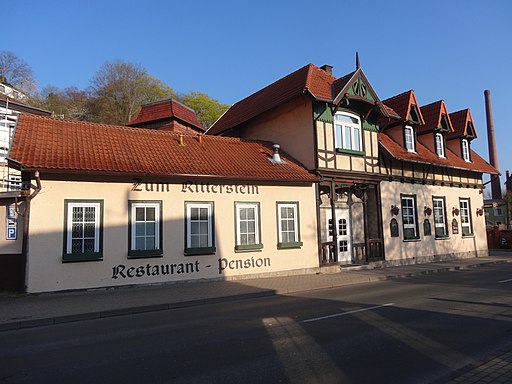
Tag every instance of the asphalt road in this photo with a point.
(413, 330)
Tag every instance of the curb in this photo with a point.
(22, 324)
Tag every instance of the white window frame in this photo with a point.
(95, 254)
(497, 212)
(465, 216)
(439, 142)
(409, 211)
(410, 145)
(465, 150)
(439, 208)
(14, 182)
(157, 250)
(295, 241)
(241, 242)
(209, 247)
(345, 131)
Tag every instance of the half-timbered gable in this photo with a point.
(378, 162)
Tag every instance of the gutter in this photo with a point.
(26, 220)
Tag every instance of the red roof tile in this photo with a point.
(56, 146)
(320, 84)
(432, 114)
(460, 120)
(425, 156)
(166, 109)
(310, 79)
(402, 103)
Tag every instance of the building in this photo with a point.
(10, 91)
(167, 115)
(398, 183)
(10, 109)
(112, 206)
(311, 173)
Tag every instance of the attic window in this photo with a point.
(409, 139)
(470, 130)
(414, 116)
(465, 150)
(440, 145)
(445, 126)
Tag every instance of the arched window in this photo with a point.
(348, 131)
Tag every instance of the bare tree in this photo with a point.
(120, 88)
(70, 103)
(16, 72)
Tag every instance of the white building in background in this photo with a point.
(10, 109)
(8, 90)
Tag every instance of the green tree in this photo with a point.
(120, 88)
(208, 110)
(17, 72)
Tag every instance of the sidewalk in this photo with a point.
(26, 311)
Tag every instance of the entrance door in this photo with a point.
(343, 232)
(342, 227)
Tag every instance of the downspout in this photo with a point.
(26, 219)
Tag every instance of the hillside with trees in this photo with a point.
(114, 95)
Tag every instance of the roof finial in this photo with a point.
(357, 60)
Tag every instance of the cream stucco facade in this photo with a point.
(47, 271)
(428, 248)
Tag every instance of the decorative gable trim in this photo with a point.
(359, 88)
(323, 112)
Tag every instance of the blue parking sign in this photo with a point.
(11, 233)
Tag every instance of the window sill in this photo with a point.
(248, 247)
(145, 254)
(468, 236)
(77, 257)
(350, 151)
(442, 237)
(296, 244)
(200, 251)
(411, 240)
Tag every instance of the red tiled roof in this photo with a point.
(59, 146)
(340, 83)
(425, 156)
(308, 78)
(401, 104)
(166, 109)
(432, 114)
(460, 121)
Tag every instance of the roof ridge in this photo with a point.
(149, 130)
(397, 96)
(274, 82)
(441, 101)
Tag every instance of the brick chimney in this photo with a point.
(327, 68)
(491, 142)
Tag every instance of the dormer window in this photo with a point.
(348, 132)
(414, 115)
(465, 150)
(440, 145)
(409, 139)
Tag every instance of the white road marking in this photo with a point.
(303, 360)
(347, 313)
(505, 281)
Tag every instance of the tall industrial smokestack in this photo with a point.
(491, 141)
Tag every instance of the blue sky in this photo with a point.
(451, 50)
